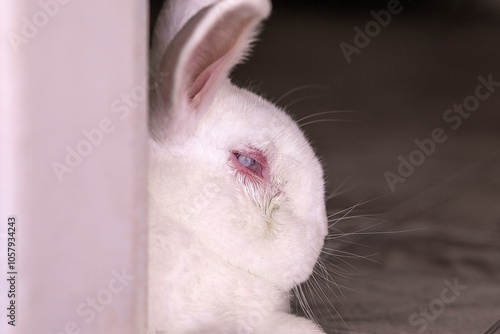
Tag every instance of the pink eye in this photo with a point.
(249, 163)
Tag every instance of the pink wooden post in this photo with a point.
(73, 161)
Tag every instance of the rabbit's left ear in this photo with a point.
(199, 59)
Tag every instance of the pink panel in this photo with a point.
(73, 165)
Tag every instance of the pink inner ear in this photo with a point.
(223, 43)
(200, 85)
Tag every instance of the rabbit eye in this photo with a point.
(249, 163)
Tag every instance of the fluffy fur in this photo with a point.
(226, 245)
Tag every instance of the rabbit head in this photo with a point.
(226, 165)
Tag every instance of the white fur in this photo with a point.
(225, 252)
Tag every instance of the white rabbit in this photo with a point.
(237, 213)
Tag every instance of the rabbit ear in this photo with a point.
(199, 59)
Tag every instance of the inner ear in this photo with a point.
(200, 81)
(216, 54)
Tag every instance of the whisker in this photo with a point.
(347, 211)
(344, 241)
(342, 273)
(323, 113)
(336, 266)
(323, 296)
(338, 253)
(345, 234)
(337, 270)
(347, 263)
(300, 99)
(360, 203)
(335, 221)
(363, 217)
(386, 232)
(316, 288)
(304, 304)
(325, 120)
(293, 90)
(337, 192)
